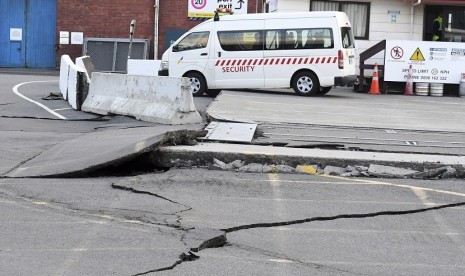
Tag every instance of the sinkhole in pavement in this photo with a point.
(142, 164)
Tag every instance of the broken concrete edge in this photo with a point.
(169, 138)
(197, 239)
(263, 163)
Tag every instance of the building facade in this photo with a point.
(377, 20)
(43, 30)
(35, 33)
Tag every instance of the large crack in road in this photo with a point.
(221, 240)
(343, 216)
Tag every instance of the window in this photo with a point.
(358, 13)
(241, 40)
(347, 38)
(273, 40)
(192, 41)
(296, 39)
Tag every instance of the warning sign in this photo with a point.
(418, 55)
(433, 62)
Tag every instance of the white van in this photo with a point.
(307, 51)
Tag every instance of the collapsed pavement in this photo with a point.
(374, 170)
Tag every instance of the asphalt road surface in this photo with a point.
(276, 224)
(206, 222)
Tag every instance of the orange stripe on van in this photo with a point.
(275, 61)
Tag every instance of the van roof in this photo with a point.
(279, 15)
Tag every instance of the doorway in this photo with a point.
(27, 33)
(453, 27)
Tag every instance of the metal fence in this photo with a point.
(111, 54)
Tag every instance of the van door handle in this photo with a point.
(203, 54)
(219, 54)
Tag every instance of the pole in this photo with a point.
(131, 34)
(155, 29)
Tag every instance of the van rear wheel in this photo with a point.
(306, 84)
(198, 83)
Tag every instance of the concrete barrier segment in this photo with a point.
(65, 62)
(164, 100)
(85, 62)
(75, 79)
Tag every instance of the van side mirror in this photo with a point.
(175, 48)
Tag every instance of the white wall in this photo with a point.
(293, 5)
(381, 26)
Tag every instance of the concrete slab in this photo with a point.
(342, 107)
(233, 132)
(203, 153)
(95, 150)
(349, 121)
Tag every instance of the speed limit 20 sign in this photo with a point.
(207, 8)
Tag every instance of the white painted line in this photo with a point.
(371, 182)
(58, 109)
(280, 261)
(15, 90)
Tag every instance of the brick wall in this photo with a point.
(111, 19)
(103, 19)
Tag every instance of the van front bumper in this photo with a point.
(163, 72)
(346, 80)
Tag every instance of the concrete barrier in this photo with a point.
(85, 62)
(164, 100)
(64, 71)
(76, 77)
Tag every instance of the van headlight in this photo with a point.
(164, 65)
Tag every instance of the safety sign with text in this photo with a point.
(207, 8)
(435, 62)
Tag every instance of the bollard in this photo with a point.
(462, 86)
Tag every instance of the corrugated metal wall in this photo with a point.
(37, 20)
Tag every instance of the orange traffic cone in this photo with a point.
(374, 89)
(409, 85)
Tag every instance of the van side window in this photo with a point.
(273, 40)
(241, 40)
(296, 39)
(192, 41)
(317, 39)
(292, 39)
(347, 37)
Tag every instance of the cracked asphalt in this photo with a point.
(201, 222)
(194, 221)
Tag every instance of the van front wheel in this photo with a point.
(305, 84)
(198, 83)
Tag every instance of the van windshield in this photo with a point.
(193, 41)
(347, 38)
